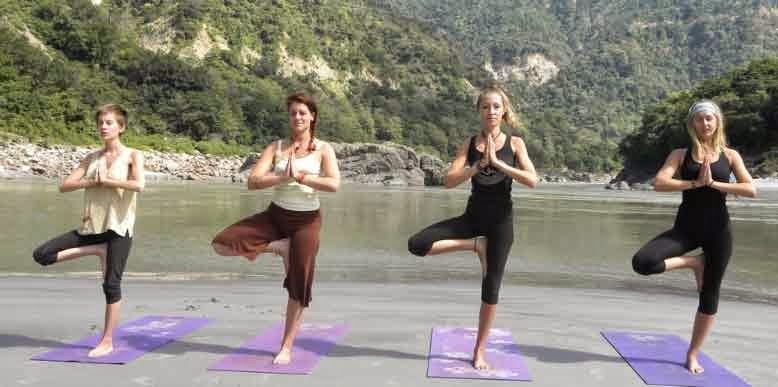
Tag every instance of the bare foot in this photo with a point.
(693, 365)
(284, 356)
(281, 248)
(103, 348)
(699, 271)
(480, 250)
(479, 361)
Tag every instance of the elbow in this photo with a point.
(660, 185)
(141, 187)
(752, 192)
(251, 184)
(532, 182)
(448, 182)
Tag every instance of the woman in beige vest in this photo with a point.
(111, 178)
(296, 168)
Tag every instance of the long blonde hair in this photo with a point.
(719, 136)
(509, 117)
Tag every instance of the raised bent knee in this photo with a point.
(418, 246)
(642, 264)
(221, 249)
(43, 257)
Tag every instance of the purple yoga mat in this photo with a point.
(660, 360)
(451, 354)
(312, 342)
(130, 340)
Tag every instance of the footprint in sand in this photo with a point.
(144, 381)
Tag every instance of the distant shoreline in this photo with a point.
(370, 164)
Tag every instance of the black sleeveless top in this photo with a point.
(490, 181)
(704, 207)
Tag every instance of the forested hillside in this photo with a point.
(211, 75)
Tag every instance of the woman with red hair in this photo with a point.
(296, 168)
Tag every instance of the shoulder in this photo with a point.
(677, 153)
(464, 147)
(274, 145)
(91, 156)
(135, 152)
(324, 146)
(732, 155)
(470, 140)
(517, 143)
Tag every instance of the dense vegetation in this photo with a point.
(211, 75)
(615, 57)
(227, 100)
(749, 99)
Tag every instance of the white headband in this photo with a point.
(704, 106)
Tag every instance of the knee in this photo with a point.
(641, 264)
(490, 288)
(418, 246)
(708, 309)
(221, 249)
(709, 302)
(112, 291)
(44, 257)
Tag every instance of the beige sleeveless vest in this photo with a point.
(109, 208)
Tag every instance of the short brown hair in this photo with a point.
(116, 109)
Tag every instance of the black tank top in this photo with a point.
(490, 181)
(704, 208)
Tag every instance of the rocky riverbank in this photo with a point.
(387, 164)
(363, 163)
(635, 179)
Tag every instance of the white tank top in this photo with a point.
(292, 195)
(109, 208)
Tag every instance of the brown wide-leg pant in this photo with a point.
(249, 236)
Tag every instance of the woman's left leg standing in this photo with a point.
(499, 239)
(117, 252)
(303, 247)
(718, 251)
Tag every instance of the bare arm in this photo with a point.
(137, 179)
(329, 180)
(75, 180)
(459, 171)
(525, 173)
(745, 185)
(260, 178)
(665, 180)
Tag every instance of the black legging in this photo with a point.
(717, 248)
(117, 251)
(494, 220)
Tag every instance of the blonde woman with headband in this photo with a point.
(492, 160)
(702, 172)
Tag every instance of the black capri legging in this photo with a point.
(717, 248)
(492, 220)
(117, 251)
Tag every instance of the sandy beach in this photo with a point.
(557, 330)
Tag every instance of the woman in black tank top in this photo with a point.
(702, 220)
(492, 160)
